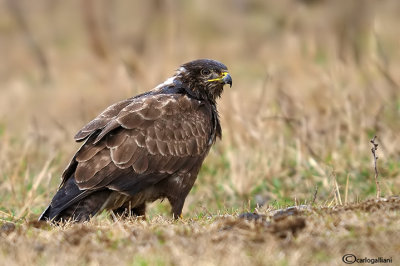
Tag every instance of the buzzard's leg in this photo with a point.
(179, 194)
(177, 206)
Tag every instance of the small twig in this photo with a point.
(337, 191)
(315, 195)
(206, 211)
(373, 150)
(346, 193)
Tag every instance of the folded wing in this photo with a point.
(145, 141)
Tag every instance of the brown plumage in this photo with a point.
(144, 148)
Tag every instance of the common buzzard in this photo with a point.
(145, 148)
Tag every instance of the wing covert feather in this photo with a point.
(101, 120)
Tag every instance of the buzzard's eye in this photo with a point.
(205, 72)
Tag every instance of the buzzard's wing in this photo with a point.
(149, 138)
(130, 146)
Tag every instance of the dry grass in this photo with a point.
(315, 236)
(313, 83)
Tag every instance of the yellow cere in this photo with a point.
(220, 78)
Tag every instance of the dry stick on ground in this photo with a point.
(315, 195)
(373, 150)
(336, 191)
(346, 193)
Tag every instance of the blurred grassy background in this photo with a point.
(313, 82)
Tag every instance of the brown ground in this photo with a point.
(295, 236)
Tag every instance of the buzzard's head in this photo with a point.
(204, 78)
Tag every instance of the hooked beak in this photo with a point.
(227, 79)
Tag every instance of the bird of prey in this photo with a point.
(145, 148)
